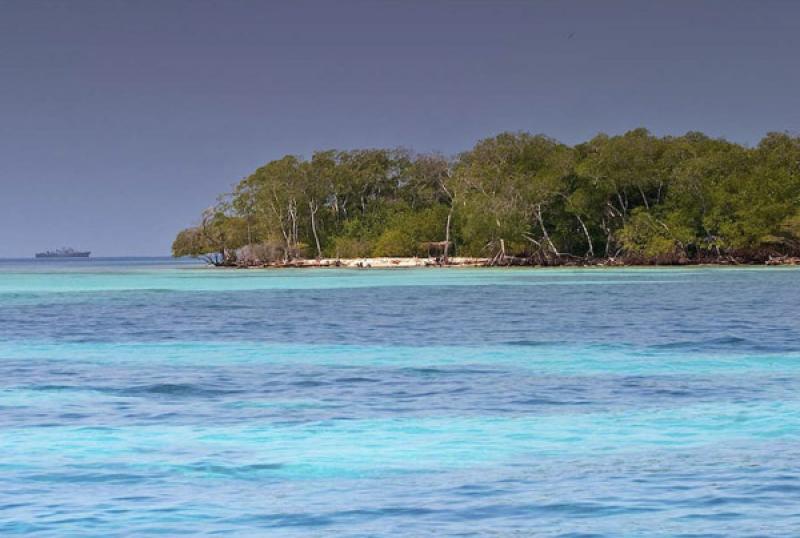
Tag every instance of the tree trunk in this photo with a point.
(447, 235)
(544, 230)
(644, 198)
(281, 221)
(623, 205)
(249, 231)
(588, 237)
(292, 241)
(314, 208)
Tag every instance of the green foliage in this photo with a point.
(788, 233)
(189, 242)
(647, 236)
(351, 247)
(409, 231)
(395, 242)
(215, 239)
(647, 198)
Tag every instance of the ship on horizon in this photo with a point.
(64, 253)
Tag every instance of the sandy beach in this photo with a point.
(379, 262)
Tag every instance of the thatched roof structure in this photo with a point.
(436, 246)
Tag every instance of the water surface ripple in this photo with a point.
(142, 397)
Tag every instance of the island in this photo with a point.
(514, 199)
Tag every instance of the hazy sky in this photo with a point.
(121, 120)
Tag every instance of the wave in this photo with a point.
(533, 343)
(722, 343)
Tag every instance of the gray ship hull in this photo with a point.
(59, 255)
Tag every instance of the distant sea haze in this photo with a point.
(144, 396)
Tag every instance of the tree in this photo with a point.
(516, 195)
(215, 239)
(431, 184)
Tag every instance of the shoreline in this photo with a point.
(455, 262)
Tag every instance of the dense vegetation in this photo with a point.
(514, 197)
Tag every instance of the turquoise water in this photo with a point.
(146, 397)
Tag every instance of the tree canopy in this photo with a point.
(636, 196)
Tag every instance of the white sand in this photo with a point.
(381, 263)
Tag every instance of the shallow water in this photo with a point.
(151, 397)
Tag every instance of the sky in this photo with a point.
(120, 121)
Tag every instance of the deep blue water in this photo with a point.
(146, 397)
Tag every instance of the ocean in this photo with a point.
(151, 396)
